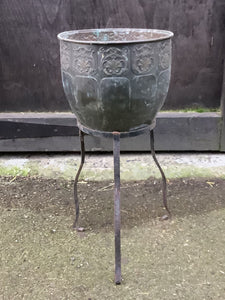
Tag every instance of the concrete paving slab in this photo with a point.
(100, 166)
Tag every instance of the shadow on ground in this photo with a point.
(141, 201)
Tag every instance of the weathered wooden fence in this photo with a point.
(30, 72)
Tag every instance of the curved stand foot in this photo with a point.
(164, 183)
(116, 156)
(76, 200)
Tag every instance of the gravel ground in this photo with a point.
(41, 257)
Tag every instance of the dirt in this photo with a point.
(43, 258)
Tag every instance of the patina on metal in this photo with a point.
(116, 80)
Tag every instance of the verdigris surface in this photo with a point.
(116, 79)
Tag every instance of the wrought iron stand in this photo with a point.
(117, 219)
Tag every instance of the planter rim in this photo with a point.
(151, 35)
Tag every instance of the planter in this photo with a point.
(115, 79)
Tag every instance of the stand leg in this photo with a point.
(116, 155)
(164, 183)
(76, 200)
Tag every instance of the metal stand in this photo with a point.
(116, 156)
(76, 200)
(117, 218)
(164, 183)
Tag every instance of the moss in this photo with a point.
(182, 171)
(194, 109)
(14, 171)
(130, 170)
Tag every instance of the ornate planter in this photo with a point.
(115, 79)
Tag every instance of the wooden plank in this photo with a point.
(29, 50)
(174, 132)
(188, 132)
(222, 141)
(31, 125)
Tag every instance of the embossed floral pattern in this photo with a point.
(114, 61)
(114, 66)
(142, 59)
(83, 61)
(65, 56)
(116, 80)
(164, 54)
